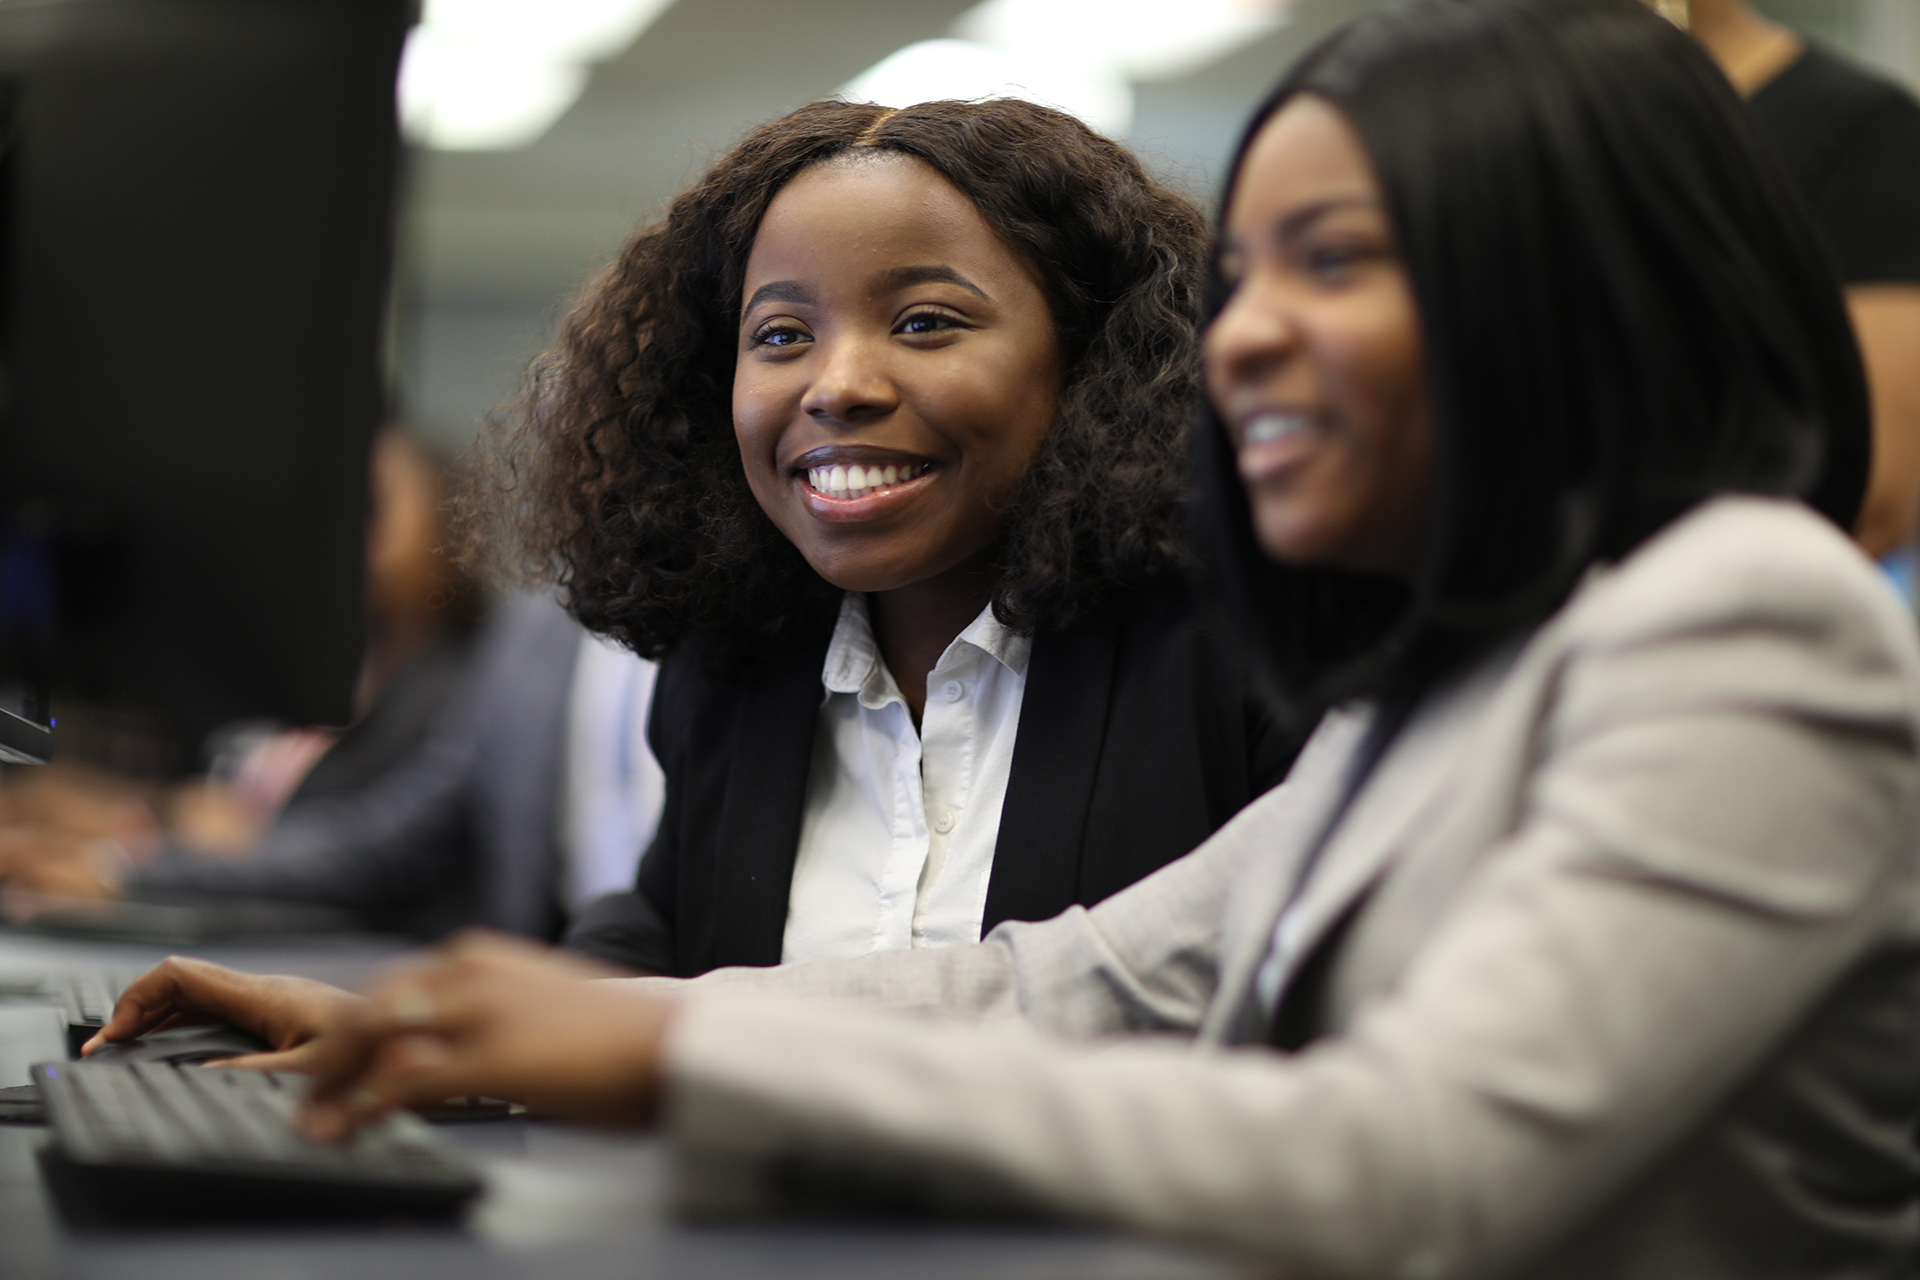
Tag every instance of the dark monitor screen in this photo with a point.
(196, 210)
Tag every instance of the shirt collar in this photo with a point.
(853, 662)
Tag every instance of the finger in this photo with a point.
(344, 1052)
(409, 1070)
(167, 994)
(478, 947)
(373, 1057)
(265, 1060)
(164, 1024)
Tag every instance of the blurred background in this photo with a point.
(512, 199)
(274, 685)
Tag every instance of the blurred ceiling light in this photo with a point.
(935, 69)
(492, 75)
(1080, 55)
(1145, 39)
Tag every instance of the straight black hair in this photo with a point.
(1624, 308)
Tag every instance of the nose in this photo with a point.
(1252, 337)
(851, 385)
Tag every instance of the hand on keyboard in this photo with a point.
(494, 1016)
(288, 1013)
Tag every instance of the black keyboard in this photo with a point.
(85, 996)
(167, 1141)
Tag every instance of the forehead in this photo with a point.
(851, 217)
(1305, 152)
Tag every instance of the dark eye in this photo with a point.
(926, 322)
(779, 334)
(1332, 261)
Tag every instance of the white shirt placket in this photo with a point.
(947, 734)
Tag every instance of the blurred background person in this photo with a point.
(446, 801)
(533, 793)
(1851, 140)
(422, 613)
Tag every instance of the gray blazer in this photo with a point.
(1622, 976)
(463, 830)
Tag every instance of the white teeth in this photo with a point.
(1272, 426)
(858, 481)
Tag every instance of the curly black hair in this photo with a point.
(618, 474)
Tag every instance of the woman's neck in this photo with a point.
(914, 624)
(1750, 49)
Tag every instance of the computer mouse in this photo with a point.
(181, 1046)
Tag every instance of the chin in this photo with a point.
(1282, 540)
(851, 575)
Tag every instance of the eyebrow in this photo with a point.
(906, 277)
(1293, 223)
(778, 291)
(886, 282)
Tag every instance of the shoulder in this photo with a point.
(1821, 90)
(1165, 633)
(1168, 612)
(1748, 567)
(528, 626)
(694, 687)
(1851, 140)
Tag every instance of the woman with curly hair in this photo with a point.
(876, 440)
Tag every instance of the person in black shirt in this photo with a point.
(1851, 141)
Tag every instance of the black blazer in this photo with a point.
(1139, 736)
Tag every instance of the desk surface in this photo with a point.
(561, 1202)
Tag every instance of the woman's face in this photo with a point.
(897, 370)
(1315, 363)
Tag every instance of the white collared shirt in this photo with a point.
(897, 839)
(612, 789)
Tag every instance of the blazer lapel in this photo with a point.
(1412, 781)
(1056, 756)
(758, 835)
(1299, 810)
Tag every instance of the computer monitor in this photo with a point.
(196, 211)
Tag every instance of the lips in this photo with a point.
(1272, 441)
(844, 483)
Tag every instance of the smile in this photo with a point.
(844, 485)
(1273, 442)
(854, 482)
(1274, 424)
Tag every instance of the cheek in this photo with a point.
(1380, 377)
(1027, 407)
(755, 421)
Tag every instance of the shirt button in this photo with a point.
(954, 690)
(944, 822)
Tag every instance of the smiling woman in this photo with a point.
(1315, 361)
(891, 402)
(897, 375)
